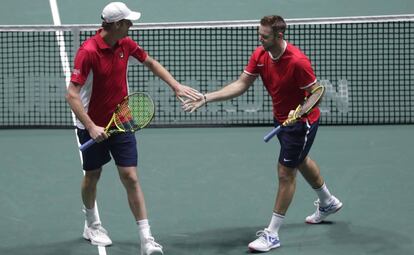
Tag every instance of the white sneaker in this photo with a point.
(150, 247)
(322, 212)
(96, 234)
(265, 242)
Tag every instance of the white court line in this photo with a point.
(66, 70)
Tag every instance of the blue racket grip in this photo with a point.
(86, 145)
(272, 133)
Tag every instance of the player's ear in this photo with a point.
(279, 35)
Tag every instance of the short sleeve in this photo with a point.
(304, 73)
(82, 67)
(136, 51)
(252, 67)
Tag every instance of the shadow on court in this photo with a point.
(217, 241)
(349, 238)
(298, 238)
(69, 247)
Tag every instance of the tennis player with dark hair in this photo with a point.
(98, 84)
(287, 74)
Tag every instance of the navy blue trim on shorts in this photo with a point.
(296, 142)
(122, 147)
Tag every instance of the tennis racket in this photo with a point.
(301, 110)
(134, 112)
(277, 129)
(272, 133)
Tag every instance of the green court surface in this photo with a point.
(209, 190)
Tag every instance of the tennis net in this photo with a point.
(366, 64)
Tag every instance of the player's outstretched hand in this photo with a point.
(192, 105)
(185, 92)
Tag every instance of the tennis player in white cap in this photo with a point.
(98, 84)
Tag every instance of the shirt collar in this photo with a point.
(281, 53)
(100, 41)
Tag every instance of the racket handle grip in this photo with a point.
(272, 133)
(86, 145)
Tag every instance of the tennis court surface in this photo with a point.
(208, 177)
(210, 198)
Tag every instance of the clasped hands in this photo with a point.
(293, 117)
(190, 105)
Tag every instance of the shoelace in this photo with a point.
(152, 241)
(97, 228)
(262, 234)
(322, 209)
(317, 212)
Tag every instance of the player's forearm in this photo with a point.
(313, 100)
(230, 91)
(76, 105)
(160, 71)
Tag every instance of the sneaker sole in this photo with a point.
(95, 243)
(310, 222)
(252, 250)
(153, 253)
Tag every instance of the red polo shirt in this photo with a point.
(102, 72)
(285, 79)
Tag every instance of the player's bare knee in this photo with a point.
(91, 177)
(306, 162)
(286, 174)
(129, 179)
(286, 178)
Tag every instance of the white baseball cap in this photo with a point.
(117, 11)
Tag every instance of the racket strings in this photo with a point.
(135, 112)
(142, 109)
(312, 100)
(124, 118)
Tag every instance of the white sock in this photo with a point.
(91, 215)
(275, 223)
(144, 229)
(324, 195)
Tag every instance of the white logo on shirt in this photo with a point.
(76, 71)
